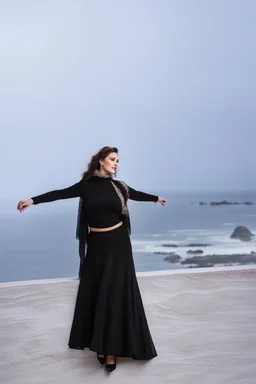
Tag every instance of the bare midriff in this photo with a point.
(106, 229)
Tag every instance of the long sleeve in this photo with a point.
(141, 196)
(74, 190)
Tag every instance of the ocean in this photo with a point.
(40, 242)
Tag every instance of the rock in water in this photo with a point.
(173, 258)
(242, 233)
(196, 252)
(170, 245)
(197, 245)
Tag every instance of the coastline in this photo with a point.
(184, 271)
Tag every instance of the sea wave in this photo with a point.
(218, 242)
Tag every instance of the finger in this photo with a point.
(22, 207)
(19, 203)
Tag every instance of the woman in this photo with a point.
(109, 316)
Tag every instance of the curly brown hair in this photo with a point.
(95, 161)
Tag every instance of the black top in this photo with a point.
(101, 201)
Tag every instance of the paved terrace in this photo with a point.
(203, 322)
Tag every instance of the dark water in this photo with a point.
(40, 242)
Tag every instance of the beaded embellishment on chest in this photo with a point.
(124, 206)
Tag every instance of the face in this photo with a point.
(110, 163)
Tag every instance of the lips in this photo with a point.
(114, 168)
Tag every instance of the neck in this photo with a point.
(103, 173)
(100, 174)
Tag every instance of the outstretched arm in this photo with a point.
(141, 196)
(74, 190)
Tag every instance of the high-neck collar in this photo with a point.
(101, 175)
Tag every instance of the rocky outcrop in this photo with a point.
(172, 258)
(242, 233)
(225, 202)
(170, 245)
(221, 259)
(198, 245)
(196, 252)
(185, 245)
(202, 266)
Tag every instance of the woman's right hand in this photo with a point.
(24, 204)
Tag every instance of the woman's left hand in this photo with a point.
(161, 200)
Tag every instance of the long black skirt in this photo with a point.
(109, 316)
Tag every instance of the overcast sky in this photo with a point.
(170, 83)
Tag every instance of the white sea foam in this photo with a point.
(219, 242)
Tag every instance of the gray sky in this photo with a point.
(170, 83)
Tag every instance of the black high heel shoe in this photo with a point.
(101, 359)
(110, 367)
